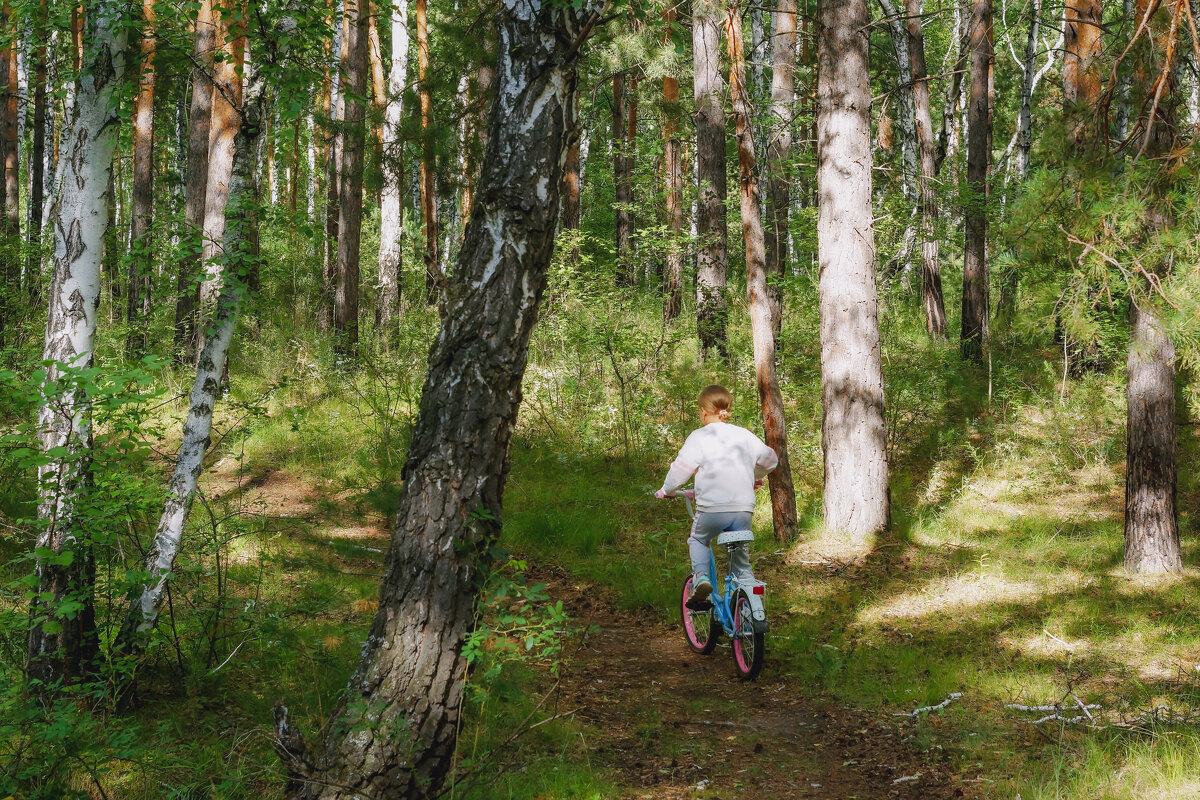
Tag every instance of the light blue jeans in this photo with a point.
(705, 529)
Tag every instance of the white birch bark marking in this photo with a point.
(391, 233)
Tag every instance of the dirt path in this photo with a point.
(680, 725)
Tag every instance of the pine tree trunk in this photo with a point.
(1151, 515)
(391, 234)
(395, 733)
(224, 123)
(345, 315)
(779, 151)
(974, 336)
(1081, 76)
(332, 160)
(429, 203)
(187, 288)
(931, 271)
(37, 164)
(60, 647)
(711, 263)
(854, 431)
(12, 157)
(783, 494)
(673, 172)
(622, 117)
(141, 262)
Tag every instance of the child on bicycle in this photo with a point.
(729, 463)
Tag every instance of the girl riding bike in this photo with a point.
(729, 463)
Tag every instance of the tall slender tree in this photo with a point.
(61, 642)
(396, 732)
(391, 230)
(711, 263)
(673, 172)
(762, 328)
(137, 308)
(37, 161)
(429, 201)
(932, 299)
(350, 202)
(779, 151)
(854, 430)
(974, 337)
(623, 115)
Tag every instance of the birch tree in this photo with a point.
(711, 263)
(391, 225)
(395, 732)
(61, 642)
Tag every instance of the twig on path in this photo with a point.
(917, 712)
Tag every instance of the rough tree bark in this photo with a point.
(1151, 518)
(12, 158)
(60, 647)
(429, 206)
(187, 288)
(779, 150)
(905, 112)
(783, 494)
(571, 211)
(395, 733)
(345, 310)
(37, 164)
(673, 172)
(711, 263)
(932, 299)
(332, 160)
(623, 180)
(391, 233)
(141, 261)
(973, 340)
(238, 242)
(1081, 76)
(854, 431)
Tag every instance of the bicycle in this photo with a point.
(737, 609)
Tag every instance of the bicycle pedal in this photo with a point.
(699, 606)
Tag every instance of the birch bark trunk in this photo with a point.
(60, 647)
(854, 431)
(395, 733)
(239, 238)
(391, 233)
(762, 328)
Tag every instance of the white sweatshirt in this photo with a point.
(726, 461)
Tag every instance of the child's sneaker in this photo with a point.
(701, 589)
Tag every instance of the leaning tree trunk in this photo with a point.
(137, 308)
(224, 124)
(973, 339)
(783, 494)
(854, 431)
(391, 231)
(434, 279)
(932, 299)
(779, 150)
(60, 646)
(673, 172)
(345, 309)
(1151, 518)
(394, 735)
(187, 288)
(711, 264)
(239, 237)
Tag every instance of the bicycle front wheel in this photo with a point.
(748, 641)
(698, 627)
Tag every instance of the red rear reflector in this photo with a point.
(760, 590)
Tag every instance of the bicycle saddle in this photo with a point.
(735, 537)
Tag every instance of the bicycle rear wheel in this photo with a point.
(748, 641)
(698, 627)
